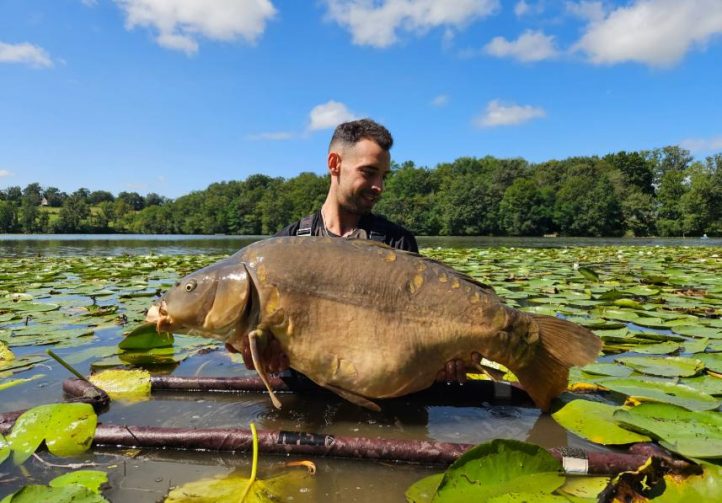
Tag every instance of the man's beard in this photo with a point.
(358, 206)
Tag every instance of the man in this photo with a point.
(358, 162)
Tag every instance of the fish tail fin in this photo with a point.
(563, 344)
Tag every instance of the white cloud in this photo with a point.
(588, 10)
(272, 136)
(530, 46)
(521, 8)
(329, 115)
(180, 22)
(440, 101)
(652, 32)
(5, 172)
(376, 23)
(24, 53)
(499, 114)
(702, 144)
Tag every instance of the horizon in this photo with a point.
(170, 97)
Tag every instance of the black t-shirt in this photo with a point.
(370, 226)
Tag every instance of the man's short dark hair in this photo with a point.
(350, 133)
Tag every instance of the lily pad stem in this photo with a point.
(254, 464)
(66, 365)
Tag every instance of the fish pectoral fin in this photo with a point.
(353, 397)
(254, 338)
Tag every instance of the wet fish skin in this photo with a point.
(368, 321)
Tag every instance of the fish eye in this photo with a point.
(191, 285)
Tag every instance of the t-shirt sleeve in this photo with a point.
(289, 230)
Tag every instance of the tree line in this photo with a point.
(660, 192)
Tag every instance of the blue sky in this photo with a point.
(169, 96)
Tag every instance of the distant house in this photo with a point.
(44, 201)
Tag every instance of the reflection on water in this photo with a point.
(56, 245)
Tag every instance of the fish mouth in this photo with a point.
(158, 315)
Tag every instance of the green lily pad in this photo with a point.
(584, 487)
(123, 384)
(67, 428)
(588, 273)
(663, 348)
(4, 449)
(693, 489)
(593, 421)
(704, 383)
(712, 361)
(90, 479)
(497, 468)
(664, 392)
(695, 346)
(145, 336)
(73, 493)
(698, 331)
(424, 490)
(230, 487)
(607, 369)
(692, 434)
(14, 382)
(669, 366)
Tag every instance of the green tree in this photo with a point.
(526, 209)
(639, 213)
(8, 216)
(72, 216)
(99, 196)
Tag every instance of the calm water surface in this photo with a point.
(145, 476)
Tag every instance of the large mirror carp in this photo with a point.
(367, 321)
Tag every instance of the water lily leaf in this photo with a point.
(145, 336)
(67, 428)
(4, 449)
(625, 302)
(693, 434)
(123, 384)
(642, 291)
(32, 307)
(693, 489)
(23, 362)
(497, 468)
(712, 361)
(423, 491)
(14, 382)
(607, 369)
(73, 493)
(593, 421)
(222, 490)
(668, 366)
(695, 346)
(5, 354)
(698, 331)
(524, 497)
(663, 348)
(584, 487)
(90, 479)
(664, 392)
(704, 383)
(588, 273)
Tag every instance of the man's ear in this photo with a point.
(334, 163)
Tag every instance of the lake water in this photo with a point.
(146, 475)
(23, 245)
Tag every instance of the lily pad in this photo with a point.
(664, 366)
(145, 336)
(693, 489)
(90, 479)
(607, 369)
(691, 434)
(73, 493)
(698, 331)
(67, 428)
(663, 392)
(593, 421)
(705, 383)
(4, 449)
(497, 468)
(712, 361)
(123, 384)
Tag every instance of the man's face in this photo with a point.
(360, 176)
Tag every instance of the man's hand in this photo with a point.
(455, 370)
(274, 358)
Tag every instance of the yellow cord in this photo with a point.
(254, 464)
